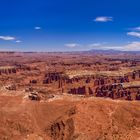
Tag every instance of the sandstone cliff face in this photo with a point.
(69, 119)
(104, 84)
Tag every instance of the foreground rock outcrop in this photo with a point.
(69, 118)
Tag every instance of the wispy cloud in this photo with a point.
(137, 28)
(103, 19)
(72, 45)
(133, 46)
(134, 28)
(10, 38)
(95, 45)
(7, 38)
(38, 28)
(135, 34)
(130, 46)
(18, 41)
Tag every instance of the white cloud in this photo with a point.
(133, 46)
(72, 45)
(135, 34)
(18, 41)
(95, 45)
(103, 19)
(130, 46)
(135, 29)
(7, 38)
(98, 45)
(37, 28)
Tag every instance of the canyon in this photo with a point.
(69, 96)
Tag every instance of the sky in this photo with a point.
(69, 25)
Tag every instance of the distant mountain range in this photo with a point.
(93, 51)
(111, 51)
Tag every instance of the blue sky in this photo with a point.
(69, 25)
